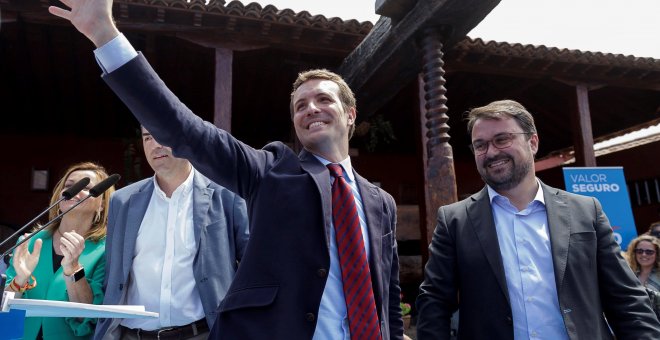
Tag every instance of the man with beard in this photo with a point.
(523, 260)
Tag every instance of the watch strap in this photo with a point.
(77, 275)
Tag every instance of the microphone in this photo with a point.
(104, 185)
(66, 195)
(76, 188)
(96, 191)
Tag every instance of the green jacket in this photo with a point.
(51, 286)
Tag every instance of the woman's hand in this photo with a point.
(24, 262)
(71, 246)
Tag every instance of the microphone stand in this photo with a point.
(96, 191)
(66, 195)
(32, 221)
(57, 218)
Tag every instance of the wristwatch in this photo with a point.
(79, 274)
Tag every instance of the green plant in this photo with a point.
(376, 130)
(405, 308)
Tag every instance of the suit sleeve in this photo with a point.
(396, 322)
(438, 293)
(625, 302)
(241, 227)
(173, 124)
(112, 219)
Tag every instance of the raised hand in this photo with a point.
(24, 262)
(71, 246)
(93, 18)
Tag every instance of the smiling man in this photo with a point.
(173, 245)
(522, 260)
(322, 260)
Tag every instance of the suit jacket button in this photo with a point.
(322, 272)
(310, 317)
(509, 321)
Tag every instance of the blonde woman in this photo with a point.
(66, 261)
(644, 260)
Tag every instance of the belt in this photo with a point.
(176, 332)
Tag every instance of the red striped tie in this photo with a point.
(355, 274)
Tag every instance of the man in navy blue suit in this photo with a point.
(289, 284)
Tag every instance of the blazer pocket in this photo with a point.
(582, 252)
(386, 258)
(249, 297)
(386, 240)
(583, 236)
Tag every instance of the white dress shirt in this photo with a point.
(161, 276)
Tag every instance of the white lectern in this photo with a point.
(14, 310)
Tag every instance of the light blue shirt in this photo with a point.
(526, 251)
(115, 53)
(332, 323)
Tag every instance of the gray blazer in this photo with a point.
(593, 281)
(221, 233)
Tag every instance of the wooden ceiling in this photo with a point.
(52, 84)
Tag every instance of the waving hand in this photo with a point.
(93, 18)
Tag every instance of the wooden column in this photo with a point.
(439, 176)
(223, 88)
(583, 139)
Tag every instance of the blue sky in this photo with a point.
(629, 27)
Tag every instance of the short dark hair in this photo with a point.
(497, 110)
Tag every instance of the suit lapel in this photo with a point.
(321, 177)
(372, 205)
(373, 213)
(137, 206)
(481, 220)
(559, 227)
(201, 201)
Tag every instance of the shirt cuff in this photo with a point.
(114, 54)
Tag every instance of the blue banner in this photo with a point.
(608, 185)
(11, 324)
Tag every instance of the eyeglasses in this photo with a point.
(500, 141)
(648, 252)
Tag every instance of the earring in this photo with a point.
(97, 217)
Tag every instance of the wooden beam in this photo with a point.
(583, 139)
(224, 60)
(552, 161)
(439, 176)
(531, 72)
(389, 57)
(394, 9)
